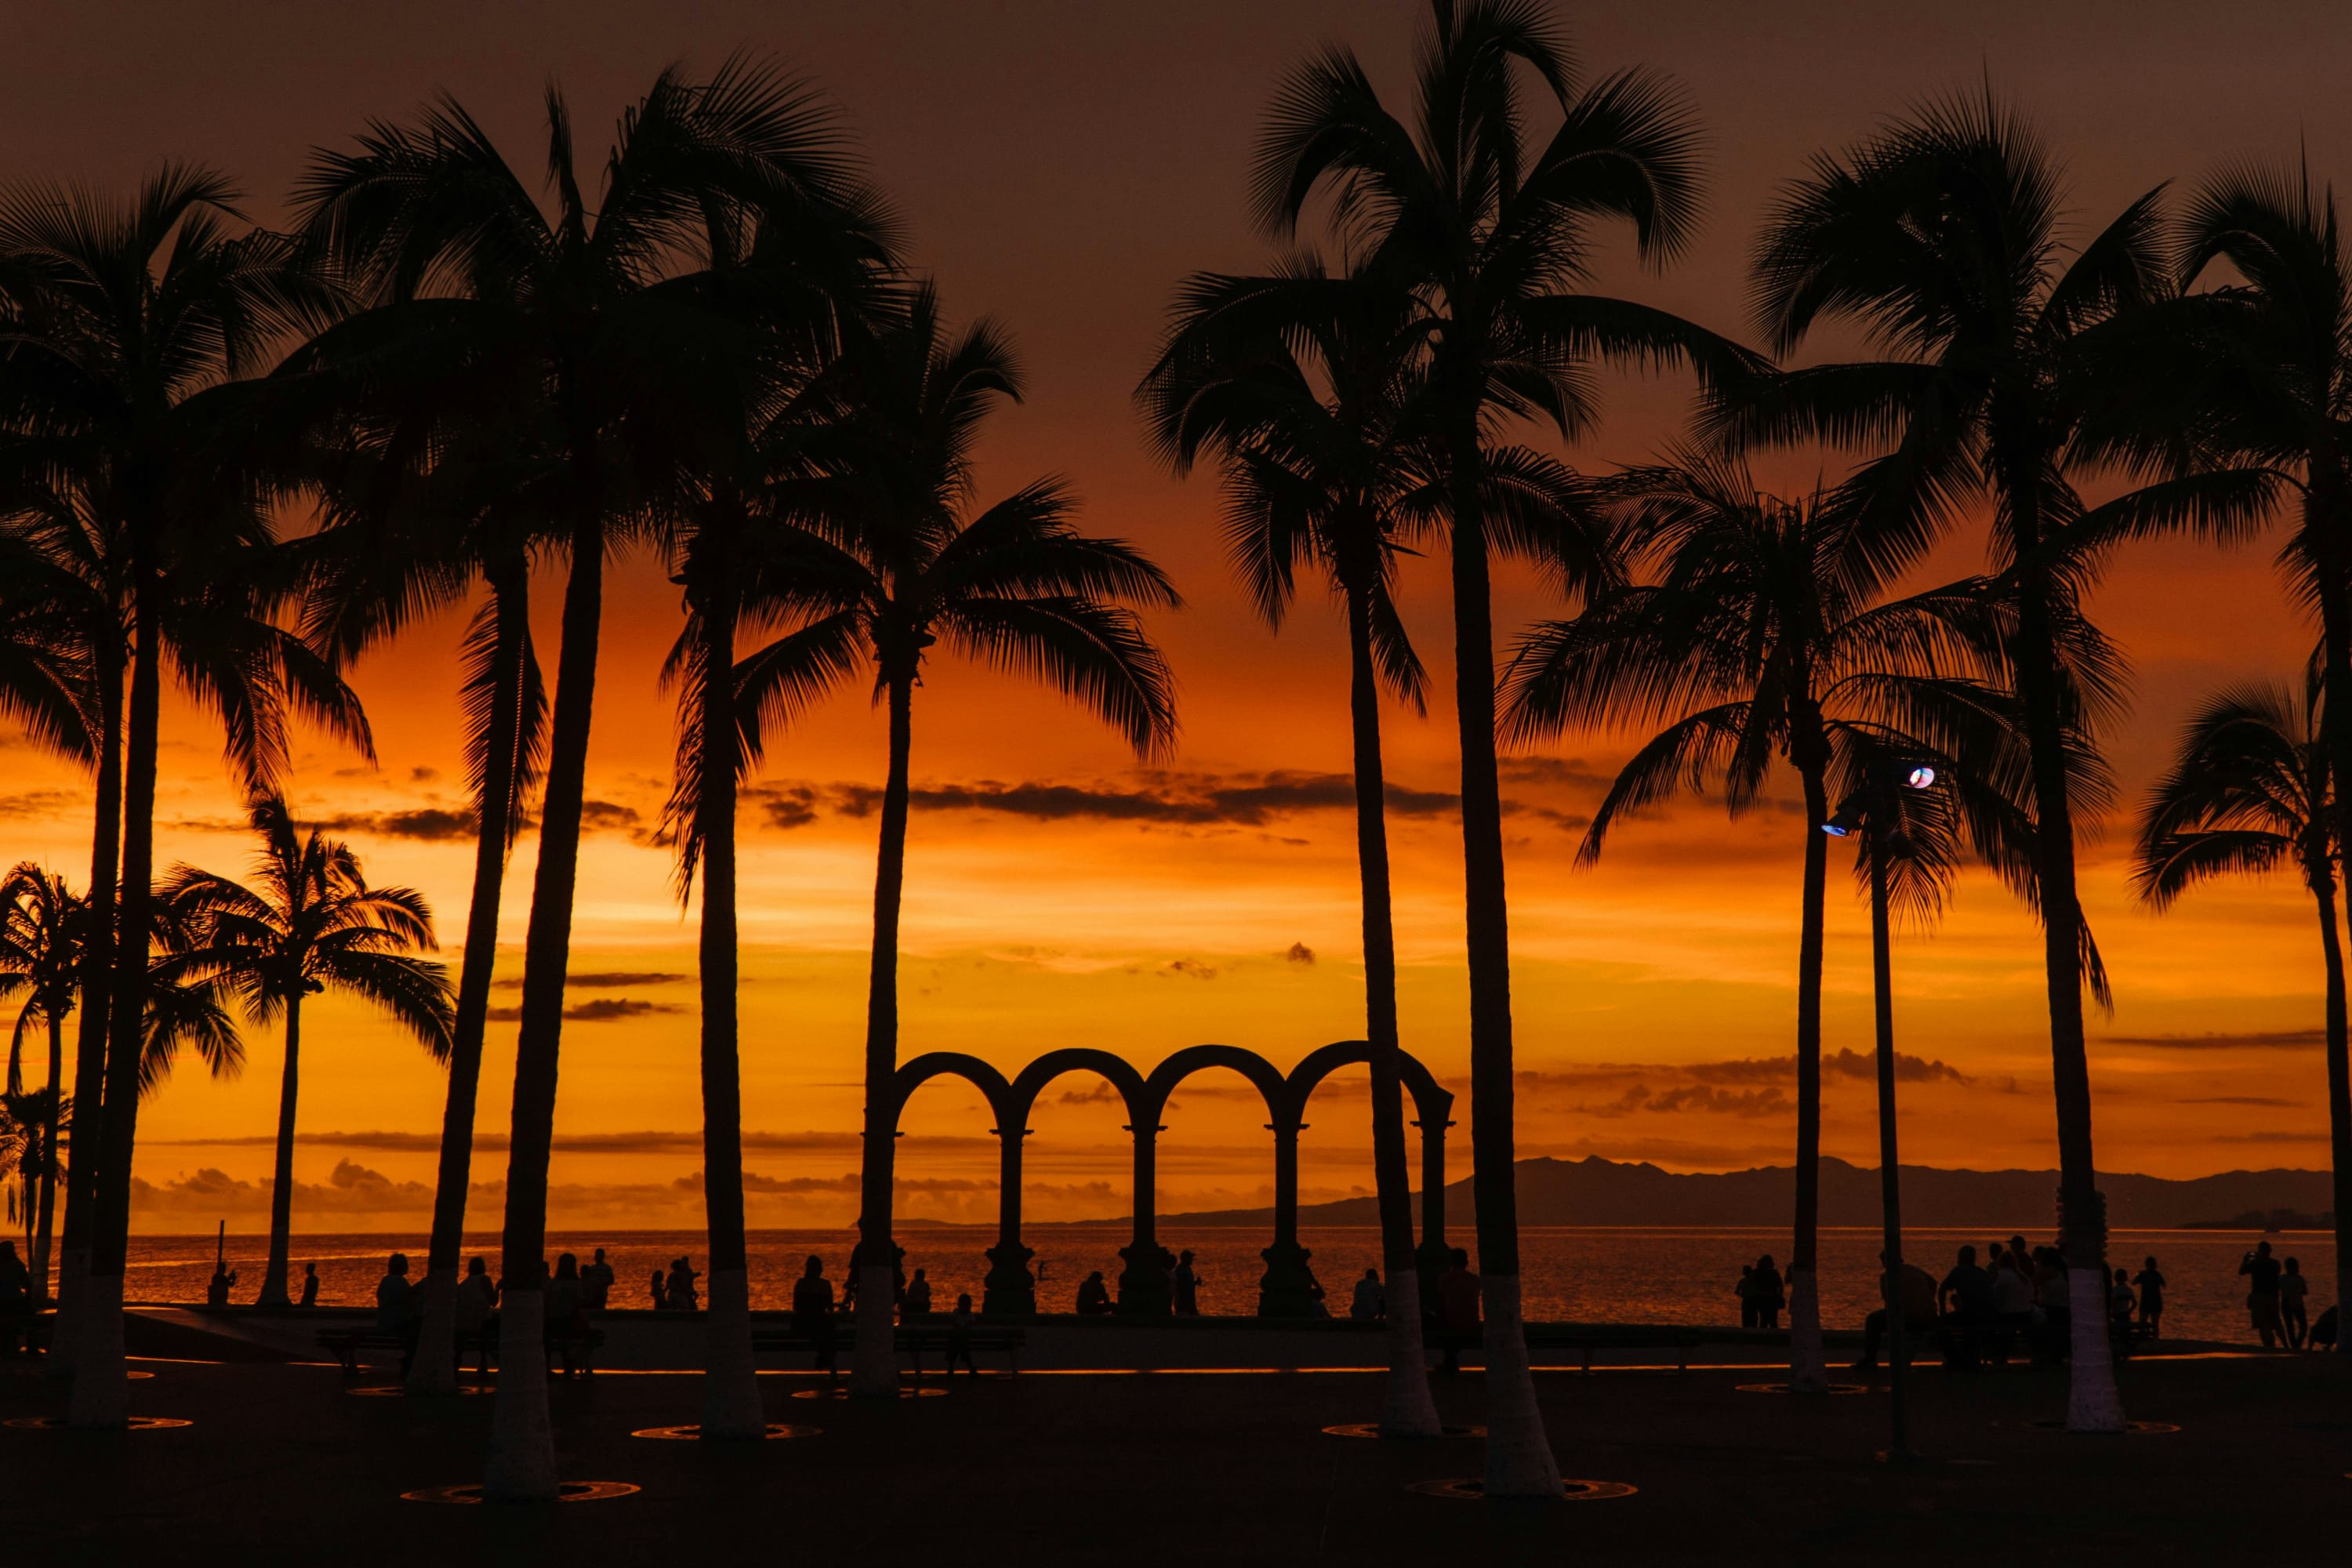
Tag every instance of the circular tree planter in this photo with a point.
(565, 1491)
(1372, 1429)
(777, 1431)
(58, 1423)
(2057, 1423)
(1784, 1388)
(836, 1391)
(1570, 1491)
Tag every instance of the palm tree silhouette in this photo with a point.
(1762, 640)
(894, 540)
(2250, 792)
(420, 457)
(43, 927)
(1491, 235)
(743, 568)
(310, 923)
(2276, 386)
(135, 322)
(1324, 467)
(604, 313)
(1939, 238)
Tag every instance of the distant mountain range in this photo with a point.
(1602, 1192)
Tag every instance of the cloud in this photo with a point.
(604, 980)
(1752, 1102)
(605, 817)
(1099, 1093)
(2258, 1040)
(350, 1189)
(1565, 773)
(2272, 1137)
(2261, 1099)
(431, 824)
(786, 805)
(597, 1010)
(1840, 1064)
(1193, 967)
(1300, 953)
(1240, 800)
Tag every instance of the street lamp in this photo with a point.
(1872, 809)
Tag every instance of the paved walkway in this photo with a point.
(282, 1464)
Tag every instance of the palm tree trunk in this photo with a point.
(435, 1370)
(39, 1252)
(2339, 1095)
(101, 1394)
(523, 1440)
(282, 1190)
(1808, 1368)
(97, 1008)
(2324, 525)
(1408, 1410)
(1518, 1457)
(2093, 1403)
(875, 1370)
(730, 1390)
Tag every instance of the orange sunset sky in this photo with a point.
(1061, 167)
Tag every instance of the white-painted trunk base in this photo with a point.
(73, 1284)
(1809, 1371)
(522, 1435)
(731, 1379)
(1518, 1455)
(435, 1370)
(2093, 1403)
(1408, 1411)
(101, 1394)
(874, 1359)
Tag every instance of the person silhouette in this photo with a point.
(2293, 1291)
(919, 1297)
(1766, 1290)
(2261, 1272)
(959, 1337)
(16, 1301)
(1746, 1291)
(679, 1290)
(565, 1305)
(1370, 1303)
(1457, 1306)
(216, 1289)
(2150, 1280)
(595, 1283)
(477, 1297)
(396, 1308)
(1094, 1296)
(1184, 1286)
(812, 1311)
(310, 1285)
(659, 1290)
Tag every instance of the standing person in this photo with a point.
(310, 1285)
(2261, 1272)
(1370, 1303)
(1768, 1293)
(1458, 1291)
(396, 1308)
(812, 1311)
(565, 1302)
(477, 1298)
(595, 1283)
(659, 1290)
(1184, 1286)
(2052, 1305)
(16, 1300)
(2293, 1289)
(959, 1337)
(2150, 1280)
(918, 1298)
(1746, 1291)
(680, 1291)
(2121, 1303)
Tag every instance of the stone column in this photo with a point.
(1011, 1290)
(1287, 1289)
(1144, 1287)
(1431, 1253)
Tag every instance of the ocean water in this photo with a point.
(1576, 1274)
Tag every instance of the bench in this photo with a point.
(349, 1345)
(1583, 1340)
(912, 1341)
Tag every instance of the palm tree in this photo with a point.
(1940, 236)
(1492, 235)
(312, 923)
(2277, 386)
(42, 928)
(131, 324)
(2252, 792)
(1306, 390)
(888, 503)
(606, 313)
(1762, 640)
(419, 497)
